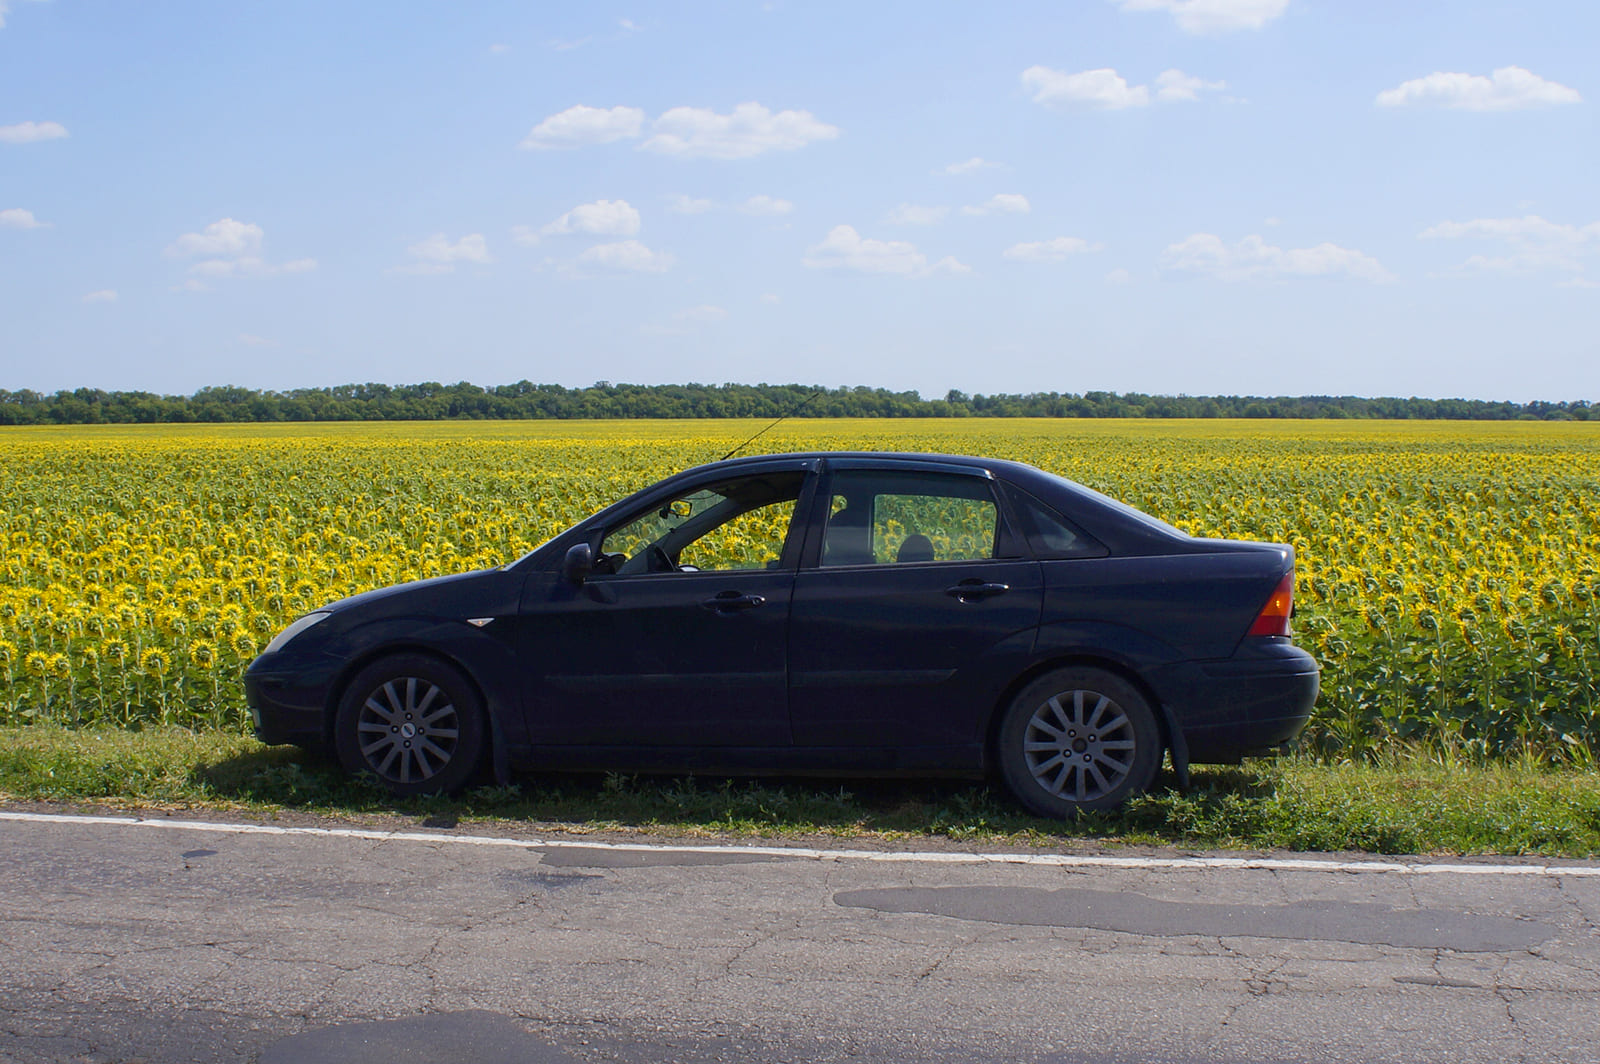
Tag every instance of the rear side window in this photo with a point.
(903, 518)
(1051, 534)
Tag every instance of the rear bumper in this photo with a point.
(1252, 702)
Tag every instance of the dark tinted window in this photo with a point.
(738, 524)
(898, 518)
(1051, 534)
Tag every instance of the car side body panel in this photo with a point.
(654, 660)
(293, 692)
(903, 654)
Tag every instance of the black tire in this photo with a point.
(413, 722)
(1078, 739)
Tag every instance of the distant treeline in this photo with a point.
(437, 402)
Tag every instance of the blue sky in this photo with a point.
(1168, 196)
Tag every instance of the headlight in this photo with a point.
(281, 640)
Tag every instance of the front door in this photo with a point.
(679, 637)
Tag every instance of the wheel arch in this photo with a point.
(1165, 725)
(341, 683)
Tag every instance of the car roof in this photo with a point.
(927, 457)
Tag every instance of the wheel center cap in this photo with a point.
(408, 730)
(1078, 745)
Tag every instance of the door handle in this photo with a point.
(733, 601)
(970, 590)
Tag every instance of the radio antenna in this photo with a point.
(787, 414)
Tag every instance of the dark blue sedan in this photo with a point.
(835, 613)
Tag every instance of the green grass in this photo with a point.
(1410, 802)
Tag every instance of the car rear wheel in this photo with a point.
(1078, 739)
(413, 722)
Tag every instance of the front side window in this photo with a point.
(899, 518)
(738, 524)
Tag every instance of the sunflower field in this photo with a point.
(1447, 571)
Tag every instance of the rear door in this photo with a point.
(913, 611)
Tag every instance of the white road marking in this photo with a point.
(1050, 860)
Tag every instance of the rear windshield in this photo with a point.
(1121, 507)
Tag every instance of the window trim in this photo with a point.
(1020, 499)
(1010, 544)
(788, 556)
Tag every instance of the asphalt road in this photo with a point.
(202, 943)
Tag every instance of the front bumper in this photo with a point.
(289, 699)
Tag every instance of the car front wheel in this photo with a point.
(413, 722)
(1078, 739)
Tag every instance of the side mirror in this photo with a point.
(578, 564)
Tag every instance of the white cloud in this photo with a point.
(911, 214)
(579, 126)
(1253, 258)
(685, 132)
(223, 267)
(1095, 88)
(470, 248)
(230, 248)
(499, 49)
(600, 218)
(1213, 16)
(1108, 90)
(29, 132)
(629, 25)
(103, 295)
(251, 340)
(249, 266)
(765, 206)
(627, 255)
(1057, 250)
(689, 205)
(17, 218)
(558, 45)
(1119, 276)
(226, 237)
(759, 205)
(1507, 89)
(771, 297)
(1004, 203)
(749, 130)
(845, 249)
(970, 166)
(438, 255)
(1531, 243)
(1174, 86)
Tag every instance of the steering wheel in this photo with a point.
(656, 560)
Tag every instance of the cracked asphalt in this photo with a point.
(125, 944)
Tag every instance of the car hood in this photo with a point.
(440, 584)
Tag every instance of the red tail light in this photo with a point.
(1274, 616)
